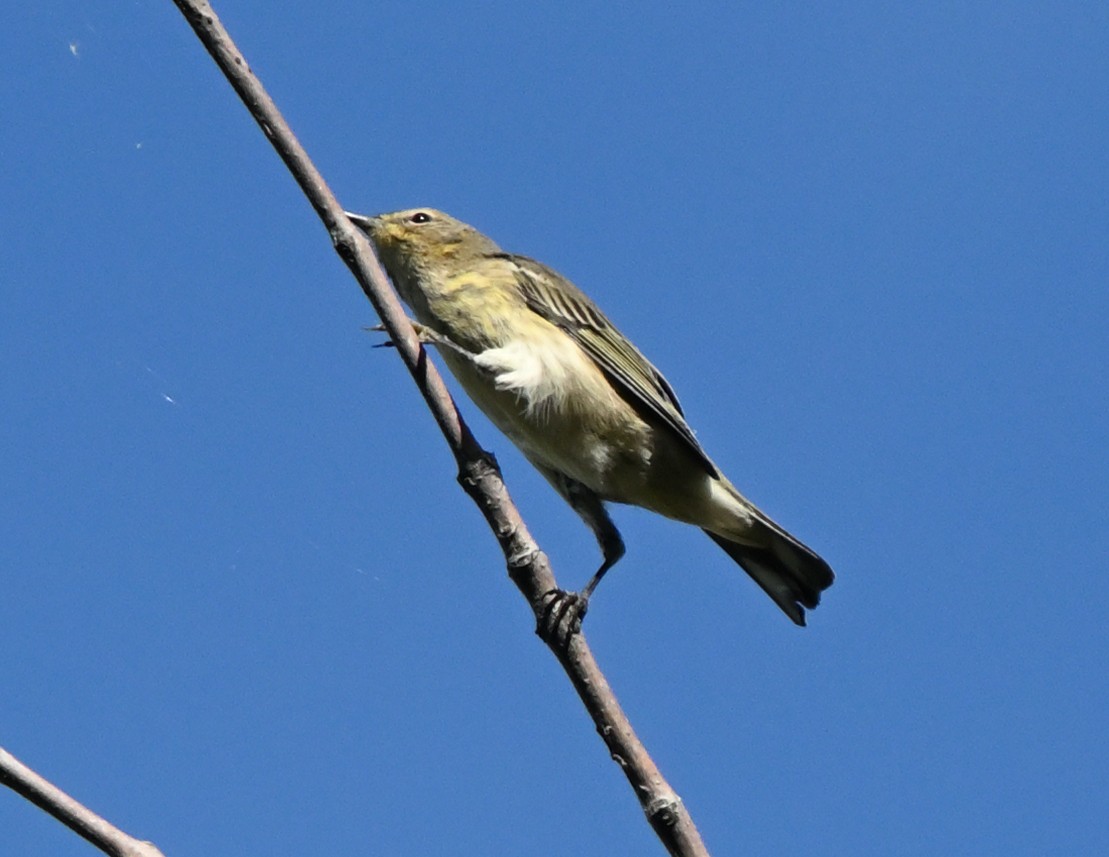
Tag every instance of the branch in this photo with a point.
(78, 818)
(477, 470)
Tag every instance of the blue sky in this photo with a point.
(244, 600)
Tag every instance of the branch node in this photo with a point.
(518, 562)
(664, 812)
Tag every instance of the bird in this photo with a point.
(579, 400)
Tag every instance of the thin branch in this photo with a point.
(477, 470)
(77, 817)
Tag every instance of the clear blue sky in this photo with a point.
(246, 609)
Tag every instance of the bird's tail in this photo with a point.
(788, 571)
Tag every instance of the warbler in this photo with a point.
(580, 401)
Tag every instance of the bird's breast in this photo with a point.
(552, 401)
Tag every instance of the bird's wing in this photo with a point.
(556, 299)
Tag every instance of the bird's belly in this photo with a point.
(565, 416)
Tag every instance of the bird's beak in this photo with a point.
(366, 224)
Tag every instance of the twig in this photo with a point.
(78, 818)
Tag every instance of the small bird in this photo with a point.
(580, 401)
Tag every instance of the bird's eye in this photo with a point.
(420, 217)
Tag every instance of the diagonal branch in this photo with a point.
(77, 817)
(478, 472)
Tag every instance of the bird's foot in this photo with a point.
(562, 615)
(425, 334)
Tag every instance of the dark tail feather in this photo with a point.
(787, 571)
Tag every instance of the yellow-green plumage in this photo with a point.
(582, 403)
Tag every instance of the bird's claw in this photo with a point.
(561, 616)
(426, 335)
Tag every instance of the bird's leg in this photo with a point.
(567, 609)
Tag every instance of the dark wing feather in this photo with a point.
(556, 299)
